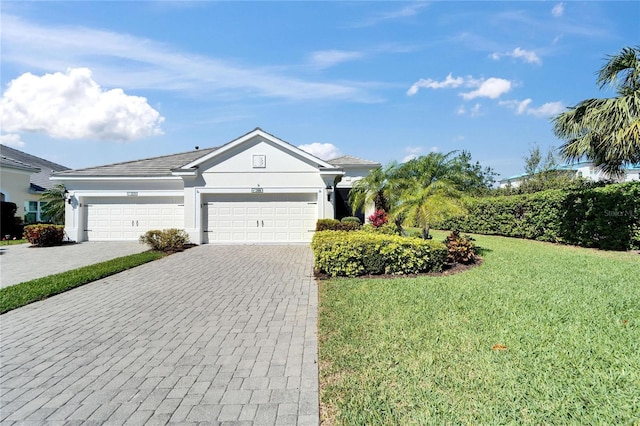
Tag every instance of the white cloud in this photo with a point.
(475, 110)
(522, 107)
(491, 88)
(74, 106)
(122, 60)
(528, 56)
(11, 139)
(547, 110)
(324, 151)
(412, 152)
(447, 83)
(519, 106)
(329, 58)
(558, 10)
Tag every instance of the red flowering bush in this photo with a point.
(378, 218)
(44, 235)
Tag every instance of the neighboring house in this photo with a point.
(254, 189)
(585, 169)
(24, 177)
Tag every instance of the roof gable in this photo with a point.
(41, 168)
(250, 138)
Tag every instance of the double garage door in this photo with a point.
(259, 218)
(126, 218)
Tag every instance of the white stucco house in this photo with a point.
(254, 189)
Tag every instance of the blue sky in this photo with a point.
(91, 83)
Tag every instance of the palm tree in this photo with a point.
(428, 190)
(373, 188)
(606, 131)
(54, 207)
(424, 205)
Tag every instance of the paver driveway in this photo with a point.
(23, 262)
(214, 334)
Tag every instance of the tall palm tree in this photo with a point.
(373, 188)
(606, 131)
(54, 207)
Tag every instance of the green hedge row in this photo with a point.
(355, 253)
(606, 218)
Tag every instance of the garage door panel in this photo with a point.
(124, 218)
(265, 218)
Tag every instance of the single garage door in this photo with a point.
(260, 218)
(126, 218)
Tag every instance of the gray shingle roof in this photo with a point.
(152, 167)
(40, 180)
(349, 160)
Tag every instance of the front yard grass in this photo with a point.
(18, 295)
(12, 242)
(538, 334)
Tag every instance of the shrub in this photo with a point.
(348, 226)
(44, 235)
(10, 224)
(336, 225)
(166, 239)
(351, 219)
(601, 217)
(460, 249)
(378, 218)
(327, 224)
(386, 229)
(351, 254)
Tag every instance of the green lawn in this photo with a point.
(18, 295)
(12, 242)
(421, 350)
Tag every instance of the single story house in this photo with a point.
(254, 189)
(24, 177)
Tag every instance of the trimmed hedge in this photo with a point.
(336, 225)
(606, 218)
(44, 235)
(351, 254)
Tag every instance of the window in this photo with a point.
(33, 212)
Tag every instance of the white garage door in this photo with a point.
(260, 218)
(126, 218)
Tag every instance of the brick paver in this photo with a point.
(23, 262)
(216, 334)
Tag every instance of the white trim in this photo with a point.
(265, 190)
(258, 132)
(121, 193)
(127, 178)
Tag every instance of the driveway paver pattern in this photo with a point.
(213, 335)
(22, 262)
